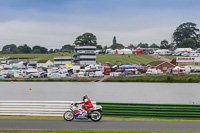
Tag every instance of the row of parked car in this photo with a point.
(185, 54)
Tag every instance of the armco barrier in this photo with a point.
(34, 108)
(151, 110)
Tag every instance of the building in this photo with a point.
(44, 63)
(84, 55)
(59, 61)
(161, 65)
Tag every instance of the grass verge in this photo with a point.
(182, 78)
(103, 118)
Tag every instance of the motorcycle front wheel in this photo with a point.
(68, 115)
(96, 116)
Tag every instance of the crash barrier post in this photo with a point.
(35, 108)
(190, 111)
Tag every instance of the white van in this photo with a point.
(153, 72)
(98, 74)
(180, 70)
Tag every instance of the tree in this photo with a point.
(164, 44)
(9, 48)
(143, 45)
(131, 45)
(154, 45)
(99, 47)
(114, 40)
(186, 30)
(24, 49)
(105, 47)
(56, 50)
(68, 48)
(43, 50)
(114, 46)
(51, 51)
(39, 49)
(87, 39)
(187, 43)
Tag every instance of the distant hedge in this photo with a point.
(182, 78)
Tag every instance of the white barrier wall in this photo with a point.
(34, 108)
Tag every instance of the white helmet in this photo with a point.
(85, 97)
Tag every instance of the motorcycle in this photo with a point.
(76, 111)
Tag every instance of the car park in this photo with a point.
(185, 54)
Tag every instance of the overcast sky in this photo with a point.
(54, 23)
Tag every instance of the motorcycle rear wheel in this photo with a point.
(96, 116)
(68, 115)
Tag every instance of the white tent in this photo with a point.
(124, 51)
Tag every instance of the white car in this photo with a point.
(194, 55)
(98, 74)
(91, 74)
(185, 54)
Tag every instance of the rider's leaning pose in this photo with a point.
(87, 103)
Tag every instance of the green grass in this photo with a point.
(92, 131)
(112, 58)
(171, 57)
(36, 57)
(122, 118)
(191, 78)
(116, 59)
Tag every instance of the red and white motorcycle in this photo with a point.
(76, 111)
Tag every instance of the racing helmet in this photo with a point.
(85, 97)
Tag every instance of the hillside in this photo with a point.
(111, 58)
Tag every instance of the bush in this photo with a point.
(169, 78)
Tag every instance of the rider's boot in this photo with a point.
(88, 111)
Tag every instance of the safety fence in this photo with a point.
(34, 108)
(151, 110)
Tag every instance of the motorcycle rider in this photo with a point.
(87, 103)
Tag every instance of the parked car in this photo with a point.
(55, 76)
(169, 71)
(153, 72)
(166, 53)
(98, 74)
(91, 74)
(177, 53)
(185, 54)
(194, 55)
(181, 70)
(79, 74)
(43, 75)
(127, 73)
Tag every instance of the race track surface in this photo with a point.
(29, 124)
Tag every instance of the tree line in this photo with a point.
(186, 35)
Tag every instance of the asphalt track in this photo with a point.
(35, 124)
